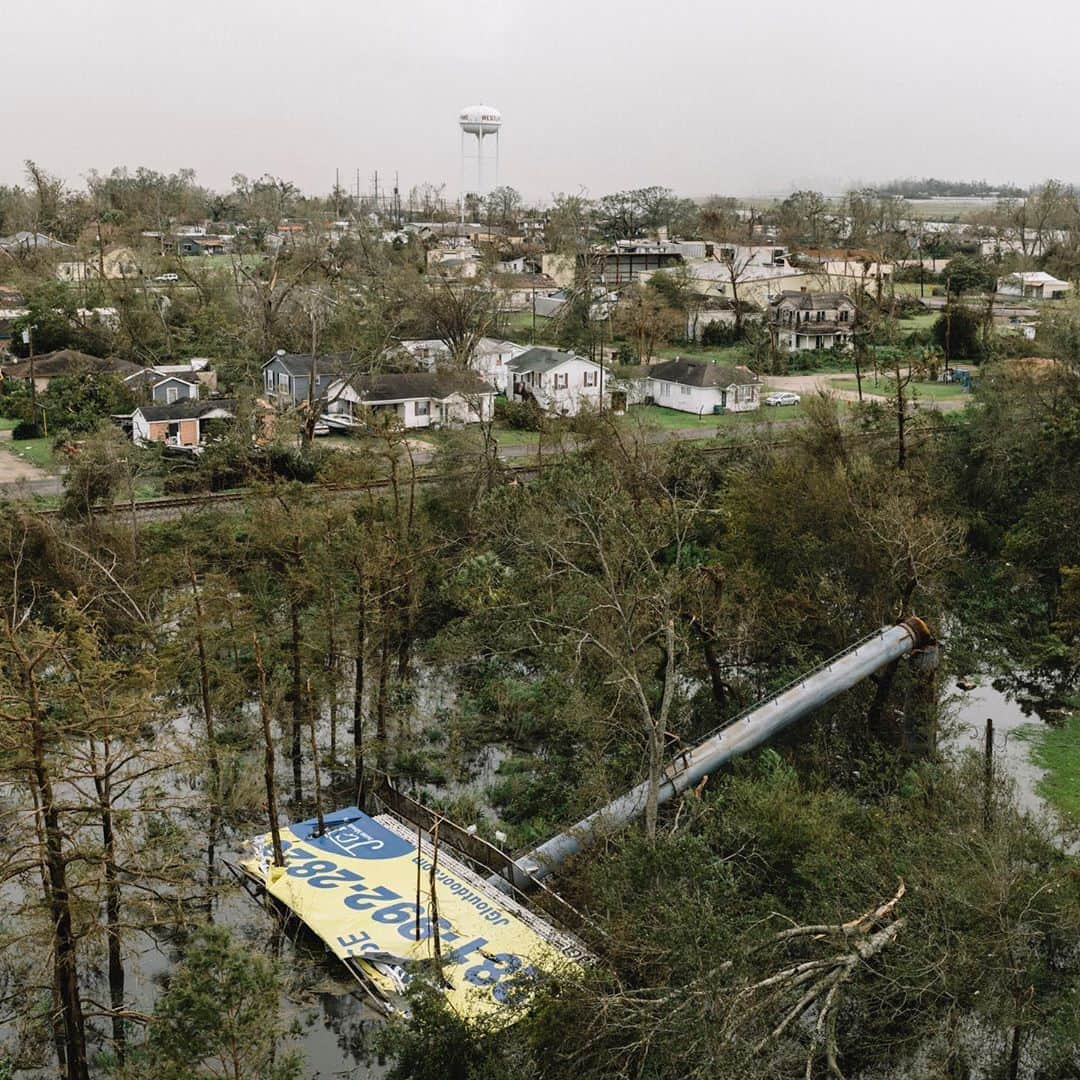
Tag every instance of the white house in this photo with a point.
(413, 399)
(703, 387)
(1036, 283)
(811, 320)
(559, 382)
(489, 359)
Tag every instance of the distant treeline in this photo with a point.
(928, 188)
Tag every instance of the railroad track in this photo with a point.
(175, 505)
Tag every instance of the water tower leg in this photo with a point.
(480, 165)
(461, 197)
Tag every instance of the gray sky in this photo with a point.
(699, 95)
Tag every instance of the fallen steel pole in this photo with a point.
(744, 733)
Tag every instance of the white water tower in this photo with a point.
(477, 122)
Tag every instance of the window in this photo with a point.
(562, 382)
(591, 378)
(421, 408)
(665, 389)
(686, 390)
(171, 394)
(843, 315)
(821, 316)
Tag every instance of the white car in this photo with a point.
(783, 397)
(167, 277)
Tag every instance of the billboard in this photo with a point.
(364, 887)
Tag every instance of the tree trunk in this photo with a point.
(332, 675)
(359, 649)
(268, 759)
(208, 722)
(65, 958)
(317, 774)
(381, 693)
(103, 787)
(297, 696)
(657, 730)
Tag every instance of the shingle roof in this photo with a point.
(411, 385)
(69, 362)
(540, 358)
(689, 372)
(187, 409)
(301, 363)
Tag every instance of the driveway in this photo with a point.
(18, 476)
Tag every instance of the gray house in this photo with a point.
(287, 376)
(157, 387)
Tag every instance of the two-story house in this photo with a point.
(287, 377)
(811, 320)
(559, 382)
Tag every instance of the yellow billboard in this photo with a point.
(364, 887)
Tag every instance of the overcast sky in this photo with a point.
(699, 95)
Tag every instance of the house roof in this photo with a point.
(69, 362)
(689, 372)
(1036, 277)
(188, 409)
(155, 377)
(811, 300)
(414, 385)
(540, 358)
(334, 364)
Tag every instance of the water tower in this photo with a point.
(477, 122)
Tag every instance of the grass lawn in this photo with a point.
(924, 391)
(38, 452)
(8, 425)
(1057, 749)
(922, 321)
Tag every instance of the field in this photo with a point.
(926, 391)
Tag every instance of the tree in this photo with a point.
(644, 318)
(969, 273)
(220, 1016)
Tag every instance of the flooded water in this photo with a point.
(1012, 752)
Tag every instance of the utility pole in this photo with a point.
(28, 340)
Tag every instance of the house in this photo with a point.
(551, 305)
(720, 310)
(65, 363)
(287, 376)
(155, 386)
(24, 241)
(183, 424)
(114, 265)
(811, 320)
(1036, 284)
(412, 399)
(703, 387)
(559, 382)
(489, 359)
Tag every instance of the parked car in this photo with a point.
(321, 428)
(783, 397)
(167, 277)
